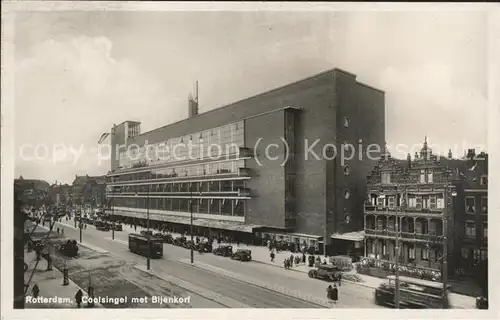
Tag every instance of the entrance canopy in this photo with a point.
(350, 236)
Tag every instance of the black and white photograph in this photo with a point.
(211, 156)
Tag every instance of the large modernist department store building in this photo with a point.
(259, 167)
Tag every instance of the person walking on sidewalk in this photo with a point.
(272, 256)
(78, 298)
(329, 290)
(335, 294)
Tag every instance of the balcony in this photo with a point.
(244, 192)
(413, 237)
(392, 211)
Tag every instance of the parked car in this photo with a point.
(224, 250)
(326, 272)
(167, 238)
(103, 227)
(179, 241)
(242, 255)
(146, 233)
(118, 227)
(188, 244)
(69, 249)
(206, 246)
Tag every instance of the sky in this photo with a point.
(78, 73)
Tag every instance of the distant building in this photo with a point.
(89, 190)
(423, 192)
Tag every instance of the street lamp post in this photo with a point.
(191, 224)
(113, 218)
(149, 242)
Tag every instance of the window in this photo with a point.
(432, 203)
(470, 205)
(380, 224)
(425, 202)
(418, 227)
(440, 202)
(432, 227)
(484, 204)
(485, 229)
(470, 229)
(390, 225)
(411, 252)
(346, 122)
(384, 249)
(380, 201)
(477, 254)
(484, 254)
(386, 178)
(429, 176)
(425, 254)
(484, 180)
(465, 253)
(347, 170)
(419, 203)
(392, 202)
(347, 194)
(412, 202)
(422, 176)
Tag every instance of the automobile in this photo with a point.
(205, 246)
(188, 244)
(145, 233)
(224, 250)
(179, 241)
(242, 255)
(69, 249)
(326, 272)
(481, 303)
(103, 227)
(118, 227)
(166, 238)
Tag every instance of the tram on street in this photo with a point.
(138, 243)
(413, 293)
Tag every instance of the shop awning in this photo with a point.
(216, 224)
(350, 236)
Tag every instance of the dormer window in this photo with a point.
(386, 177)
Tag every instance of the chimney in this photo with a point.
(408, 158)
(471, 153)
(450, 155)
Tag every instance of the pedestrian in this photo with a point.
(285, 263)
(57, 230)
(329, 290)
(303, 257)
(78, 298)
(272, 256)
(62, 231)
(335, 294)
(35, 291)
(135, 227)
(340, 279)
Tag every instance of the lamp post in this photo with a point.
(112, 218)
(149, 242)
(191, 224)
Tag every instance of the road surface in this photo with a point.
(253, 296)
(350, 295)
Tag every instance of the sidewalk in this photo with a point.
(226, 301)
(50, 285)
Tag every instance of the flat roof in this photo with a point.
(417, 281)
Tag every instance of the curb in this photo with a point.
(225, 301)
(323, 303)
(116, 240)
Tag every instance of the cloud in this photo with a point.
(66, 92)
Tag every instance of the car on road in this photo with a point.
(326, 272)
(224, 250)
(118, 227)
(69, 249)
(145, 233)
(179, 241)
(103, 227)
(242, 255)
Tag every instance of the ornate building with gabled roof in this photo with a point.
(436, 201)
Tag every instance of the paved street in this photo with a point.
(351, 296)
(252, 296)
